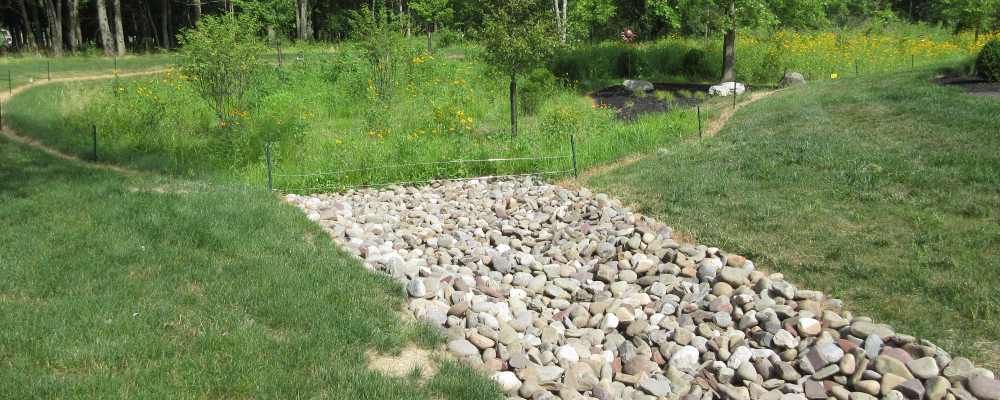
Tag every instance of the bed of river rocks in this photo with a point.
(568, 294)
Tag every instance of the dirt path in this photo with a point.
(10, 133)
(713, 127)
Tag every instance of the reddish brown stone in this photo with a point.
(897, 353)
(846, 345)
(658, 358)
(490, 292)
(791, 329)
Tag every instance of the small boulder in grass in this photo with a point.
(792, 79)
(634, 85)
(726, 89)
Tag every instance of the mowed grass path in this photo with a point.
(22, 69)
(117, 285)
(882, 190)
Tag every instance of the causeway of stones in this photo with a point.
(568, 294)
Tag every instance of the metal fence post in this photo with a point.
(699, 122)
(572, 143)
(279, 51)
(95, 143)
(270, 183)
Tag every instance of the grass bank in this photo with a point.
(324, 113)
(24, 69)
(117, 285)
(881, 190)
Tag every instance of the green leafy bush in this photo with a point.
(631, 64)
(221, 58)
(533, 91)
(988, 62)
(697, 63)
(449, 37)
(568, 68)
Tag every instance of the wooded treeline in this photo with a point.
(143, 26)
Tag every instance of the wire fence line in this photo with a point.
(422, 181)
(271, 175)
(418, 164)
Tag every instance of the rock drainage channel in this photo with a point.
(568, 294)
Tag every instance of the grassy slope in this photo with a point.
(23, 69)
(133, 285)
(883, 190)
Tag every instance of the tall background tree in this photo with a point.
(143, 26)
(517, 35)
(432, 13)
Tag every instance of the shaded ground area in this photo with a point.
(627, 105)
(972, 85)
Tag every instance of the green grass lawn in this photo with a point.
(118, 285)
(882, 190)
(24, 68)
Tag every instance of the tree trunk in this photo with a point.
(39, 36)
(74, 24)
(53, 9)
(430, 50)
(565, 22)
(302, 20)
(513, 105)
(166, 25)
(27, 26)
(119, 32)
(152, 26)
(729, 49)
(197, 11)
(560, 19)
(102, 22)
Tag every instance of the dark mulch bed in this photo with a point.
(627, 105)
(973, 85)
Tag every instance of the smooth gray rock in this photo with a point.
(784, 289)
(655, 387)
(792, 79)
(983, 388)
(437, 315)
(416, 288)
(633, 85)
(549, 373)
(873, 346)
(463, 347)
(923, 368)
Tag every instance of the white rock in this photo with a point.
(726, 89)
(684, 358)
(507, 380)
